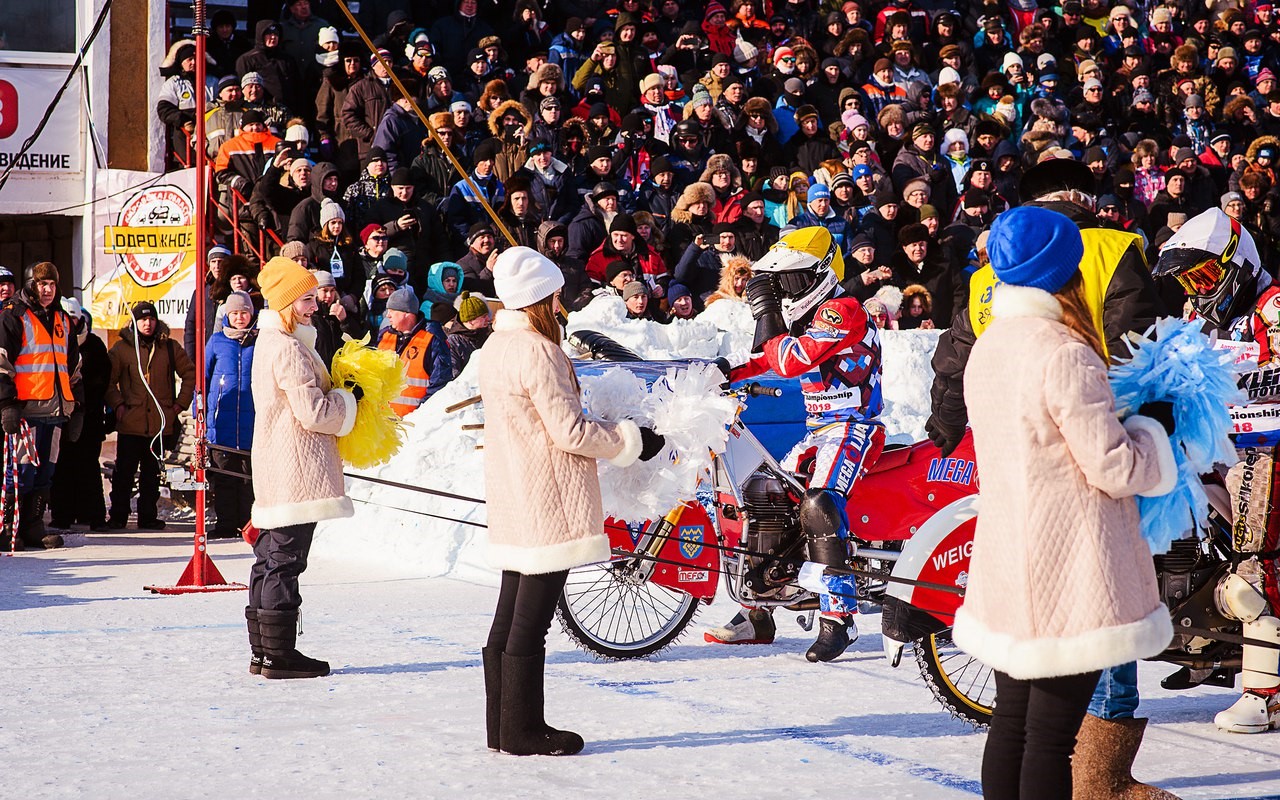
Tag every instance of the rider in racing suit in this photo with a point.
(1216, 261)
(807, 328)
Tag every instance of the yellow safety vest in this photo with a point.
(1103, 248)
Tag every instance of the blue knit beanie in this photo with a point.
(819, 191)
(1035, 247)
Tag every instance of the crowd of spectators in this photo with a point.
(653, 149)
(671, 138)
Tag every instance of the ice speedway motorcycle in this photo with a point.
(912, 518)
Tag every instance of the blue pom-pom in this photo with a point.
(1182, 367)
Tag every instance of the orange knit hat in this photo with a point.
(283, 280)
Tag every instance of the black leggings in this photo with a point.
(526, 604)
(1033, 732)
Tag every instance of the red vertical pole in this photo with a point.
(201, 574)
(200, 29)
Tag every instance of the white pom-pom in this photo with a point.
(685, 406)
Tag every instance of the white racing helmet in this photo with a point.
(806, 265)
(1216, 261)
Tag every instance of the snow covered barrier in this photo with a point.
(390, 528)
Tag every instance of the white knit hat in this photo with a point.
(948, 75)
(522, 276)
(949, 138)
(328, 35)
(298, 133)
(1010, 59)
(744, 51)
(330, 210)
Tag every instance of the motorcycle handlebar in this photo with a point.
(756, 390)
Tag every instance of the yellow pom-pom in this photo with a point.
(378, 432)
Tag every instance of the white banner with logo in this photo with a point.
(25, 93)
(144, 239)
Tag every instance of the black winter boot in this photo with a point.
(48, 539)
(279, 631)
(833, 639)
(30, 523)
(523, 730)
(492, 658)
(255, 640)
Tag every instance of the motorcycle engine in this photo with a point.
(1188, 576)
(773, 529)
(775, 519)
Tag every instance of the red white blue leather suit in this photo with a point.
(837, 359)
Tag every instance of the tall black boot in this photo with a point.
(49, 540)
(523, 730)
(255, 640)
(279, 631)
(31, 529)
(492, 658)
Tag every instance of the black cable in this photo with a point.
(420, 513)
(57, 97)
(407, 487)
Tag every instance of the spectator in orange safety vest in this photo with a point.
(39, 365)
(421, 345)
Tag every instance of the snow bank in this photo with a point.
(390, 528)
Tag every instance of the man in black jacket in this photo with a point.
(268, 59)
(1129, 298)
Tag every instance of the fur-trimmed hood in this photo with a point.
(510, 107)
(1257, 144)
(735, 267)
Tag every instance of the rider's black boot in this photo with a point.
(833, 639)
(523, 730)
(1187, 678)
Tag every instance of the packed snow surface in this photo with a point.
(115, 694)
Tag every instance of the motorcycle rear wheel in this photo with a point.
(611, 614)
(961, 683)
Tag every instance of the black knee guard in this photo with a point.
(826, 526)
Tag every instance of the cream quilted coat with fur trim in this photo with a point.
(297, 475)
(540, 454)
(1061, 580)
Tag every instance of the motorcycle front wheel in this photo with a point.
(612, 612)
(961, 683)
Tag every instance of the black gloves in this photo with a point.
(722, 364)
(651, 443)
(74, 426)
(1161, 411)
(355, 390)
(945, 437)
(11, 418)
(766, 310)
(762, 296)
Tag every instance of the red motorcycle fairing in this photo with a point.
(689, 561)
(907, 486)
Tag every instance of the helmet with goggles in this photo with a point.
(1216, 262)
(806, 266)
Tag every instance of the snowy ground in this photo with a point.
(115, 693)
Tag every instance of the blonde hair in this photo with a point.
(287, 320)
(1077, 316)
